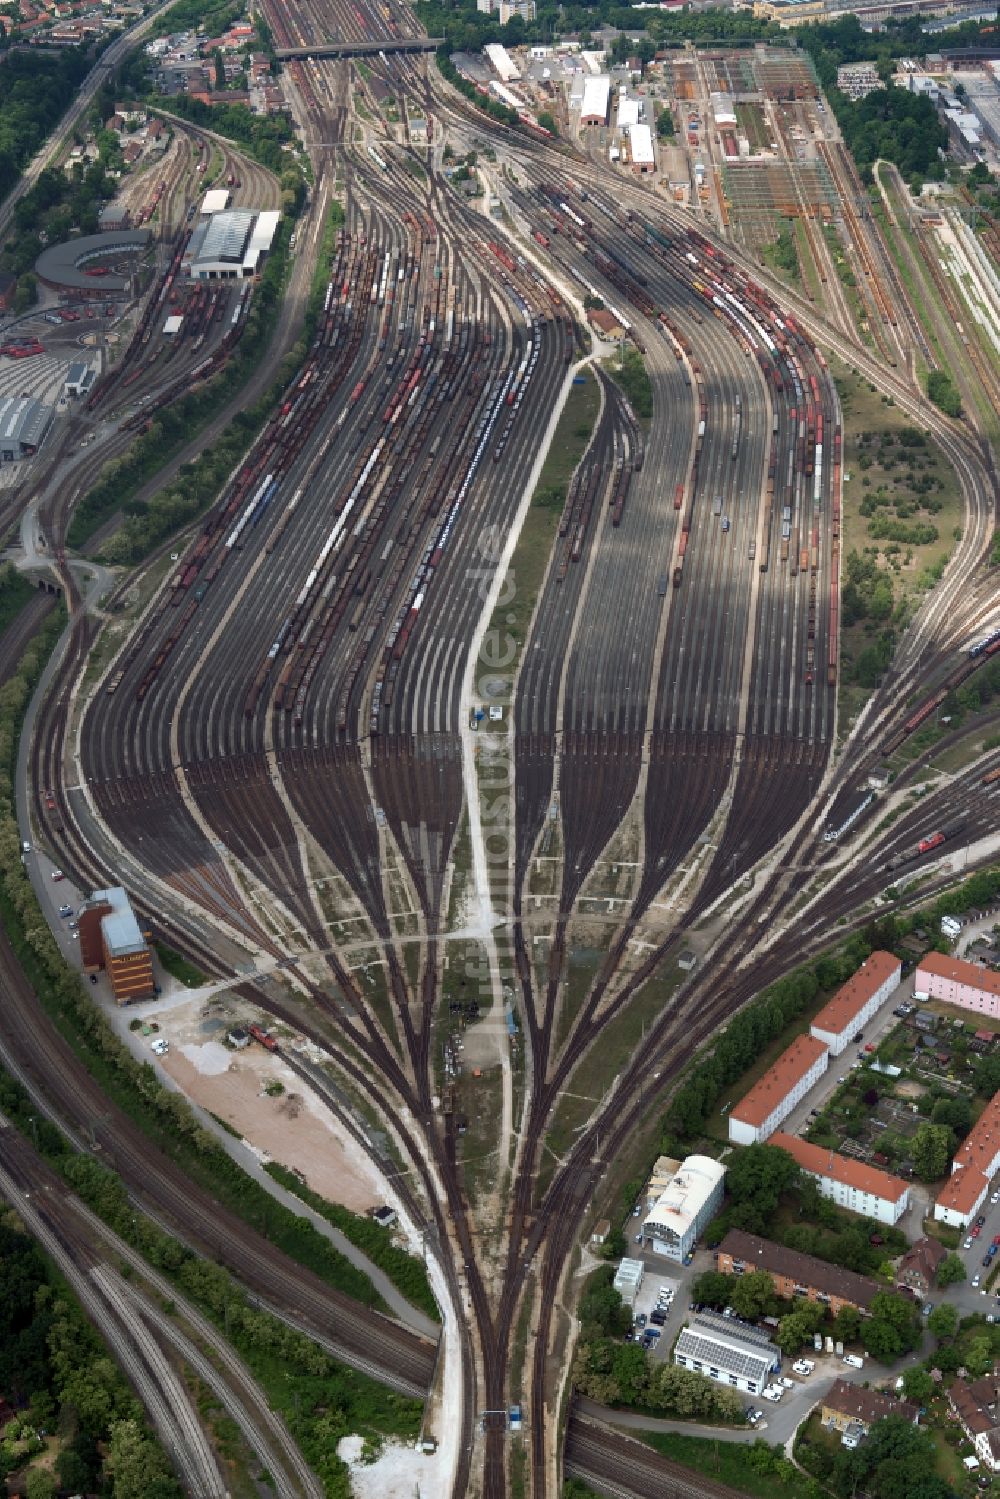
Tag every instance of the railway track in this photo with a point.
(344, 546)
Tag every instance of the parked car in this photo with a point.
(803, 1366)
(927, 1308)
(161, 1046)
(975, 1231)
(640, 1320)
(786, 1383)
(658, 1318)
(967, 1244)
(65, 910)
(981, 1221)
(753, 1416)
(58, 875)
(975, 1281)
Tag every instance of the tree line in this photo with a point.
(60, 1378)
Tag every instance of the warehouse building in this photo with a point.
(733, 1355)
(628, 113)
(216, 200)
(723, 111)
(111, 938)
(975, 1163)
(502, 63)
(23, 423)
(113, 217)
(856, 1002)
(689, 1201)
(957, 982)
(596, 100)
(774, 1097)
(850, 1184)
(640, 145)
(80, 378)
(795, 1274)
(229, 246)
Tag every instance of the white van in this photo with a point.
(854, 1360)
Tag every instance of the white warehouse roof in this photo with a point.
(596, 98)
(502, 62)
(640, 139)
(628, 113)
(230, 244)
(216, 200)
(687, 1194)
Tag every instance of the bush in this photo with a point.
(942, 391)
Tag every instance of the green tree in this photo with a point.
(756, 1179)
(931, 1149)
(942, 391)
(954, 1113)
(39, 1484)
(847, 1324)
(917, 1385)
(629, 1369)
(712, 1288)
(951, 1270)
(942, 1322)
(753, 1295)
(892, 1329)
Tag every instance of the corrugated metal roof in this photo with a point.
(726, 1355)
(226, 235)
(23, 421)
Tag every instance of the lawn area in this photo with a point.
(969, 748)
(480, 1099)
(527, 569)
(730, 1463)
(185, 972)
(901, 515)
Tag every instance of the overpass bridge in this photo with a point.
(360, 49)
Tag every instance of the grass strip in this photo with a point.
(407, 1273)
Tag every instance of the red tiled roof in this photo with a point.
(819, 1161)
(865, 1405)
(958, 971)
(850, 999)
(765, 1095)
(962, 1191)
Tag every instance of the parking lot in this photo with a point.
(654, 1283)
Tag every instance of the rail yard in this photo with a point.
(307, 737)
